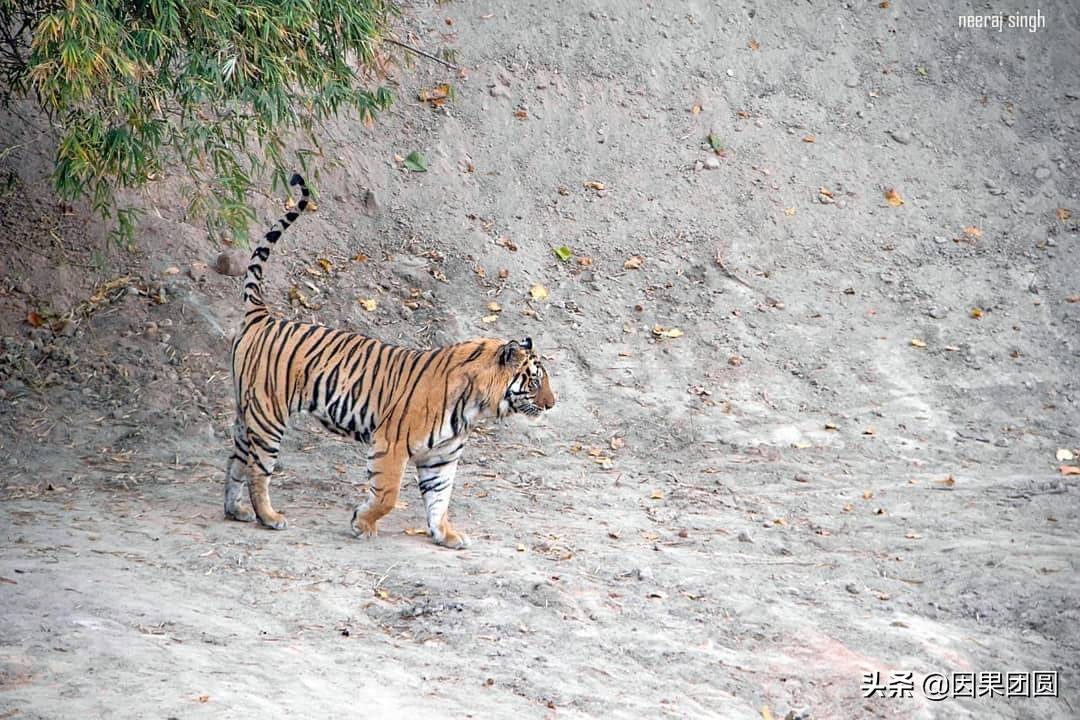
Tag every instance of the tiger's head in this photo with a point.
(529, 391)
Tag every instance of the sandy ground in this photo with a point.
(846, 463)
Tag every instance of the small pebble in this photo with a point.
(900, 136)
(711, 163)
(802, 477)
(744, 536)
(499, 91)
(1042, 173)
(850, 587)
(852, 82)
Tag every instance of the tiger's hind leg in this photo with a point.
(436, 478)
(236, 505)
(385, 468)
(262, 456)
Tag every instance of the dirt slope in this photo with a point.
(845, 463)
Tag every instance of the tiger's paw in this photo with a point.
(453, 540)
(274, 522)
(240, 514)
(362, 528)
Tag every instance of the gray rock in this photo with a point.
(802, 477)
(851, 588)
(644, 573)
(853, 81)
(711, 163)
(744, 536)
(901, 136)
(499, 90)
(15, 388)
(1042, 173)
(371, 203)
(936, 313)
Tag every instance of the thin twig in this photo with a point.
(421, 53)
(384, 576)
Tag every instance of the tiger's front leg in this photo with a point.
(385, 469)
(436, 477)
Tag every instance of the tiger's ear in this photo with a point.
(510, 353)
(527, 343)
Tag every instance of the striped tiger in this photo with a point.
(406, 405)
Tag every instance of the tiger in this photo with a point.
(407, 406)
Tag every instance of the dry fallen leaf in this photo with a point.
(360, 257)
(663, 332)
(617, 443)
(538, 292)
(521, 114)
(416, 531)
(507, 243)
(650, 536)
(489, 319)
(369, 304)
(766, 714)
(948, 481)
(893, 198)
(633, 262)
(172, 270)
(973, 232)
(912, 535)
(204, 698)
(976, 313)
(695, 110)
(753, 45)
(34, 320)
(867, 494)
(916, 342)
(325, 264)
(520, 548)
(735, 361)
(1063, 214)
(1069, 470)
(656, 495)
(1064, 454)
(789, 211)
(809, 138)
(494, 307)
(593, 185)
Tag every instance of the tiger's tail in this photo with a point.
(253, 289)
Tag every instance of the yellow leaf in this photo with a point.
(766, 714)
(416, 531)
(520, 548)
(656, 495)
(976, 313)
(663, 332)
(789, 211)
(916, 342)
(489, 319)
(369, 304)
(893, 198)
(494, 307)
(695, 110)
(538, 292)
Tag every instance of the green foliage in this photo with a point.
(563, 253)
(415, 162)
(217, 87)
